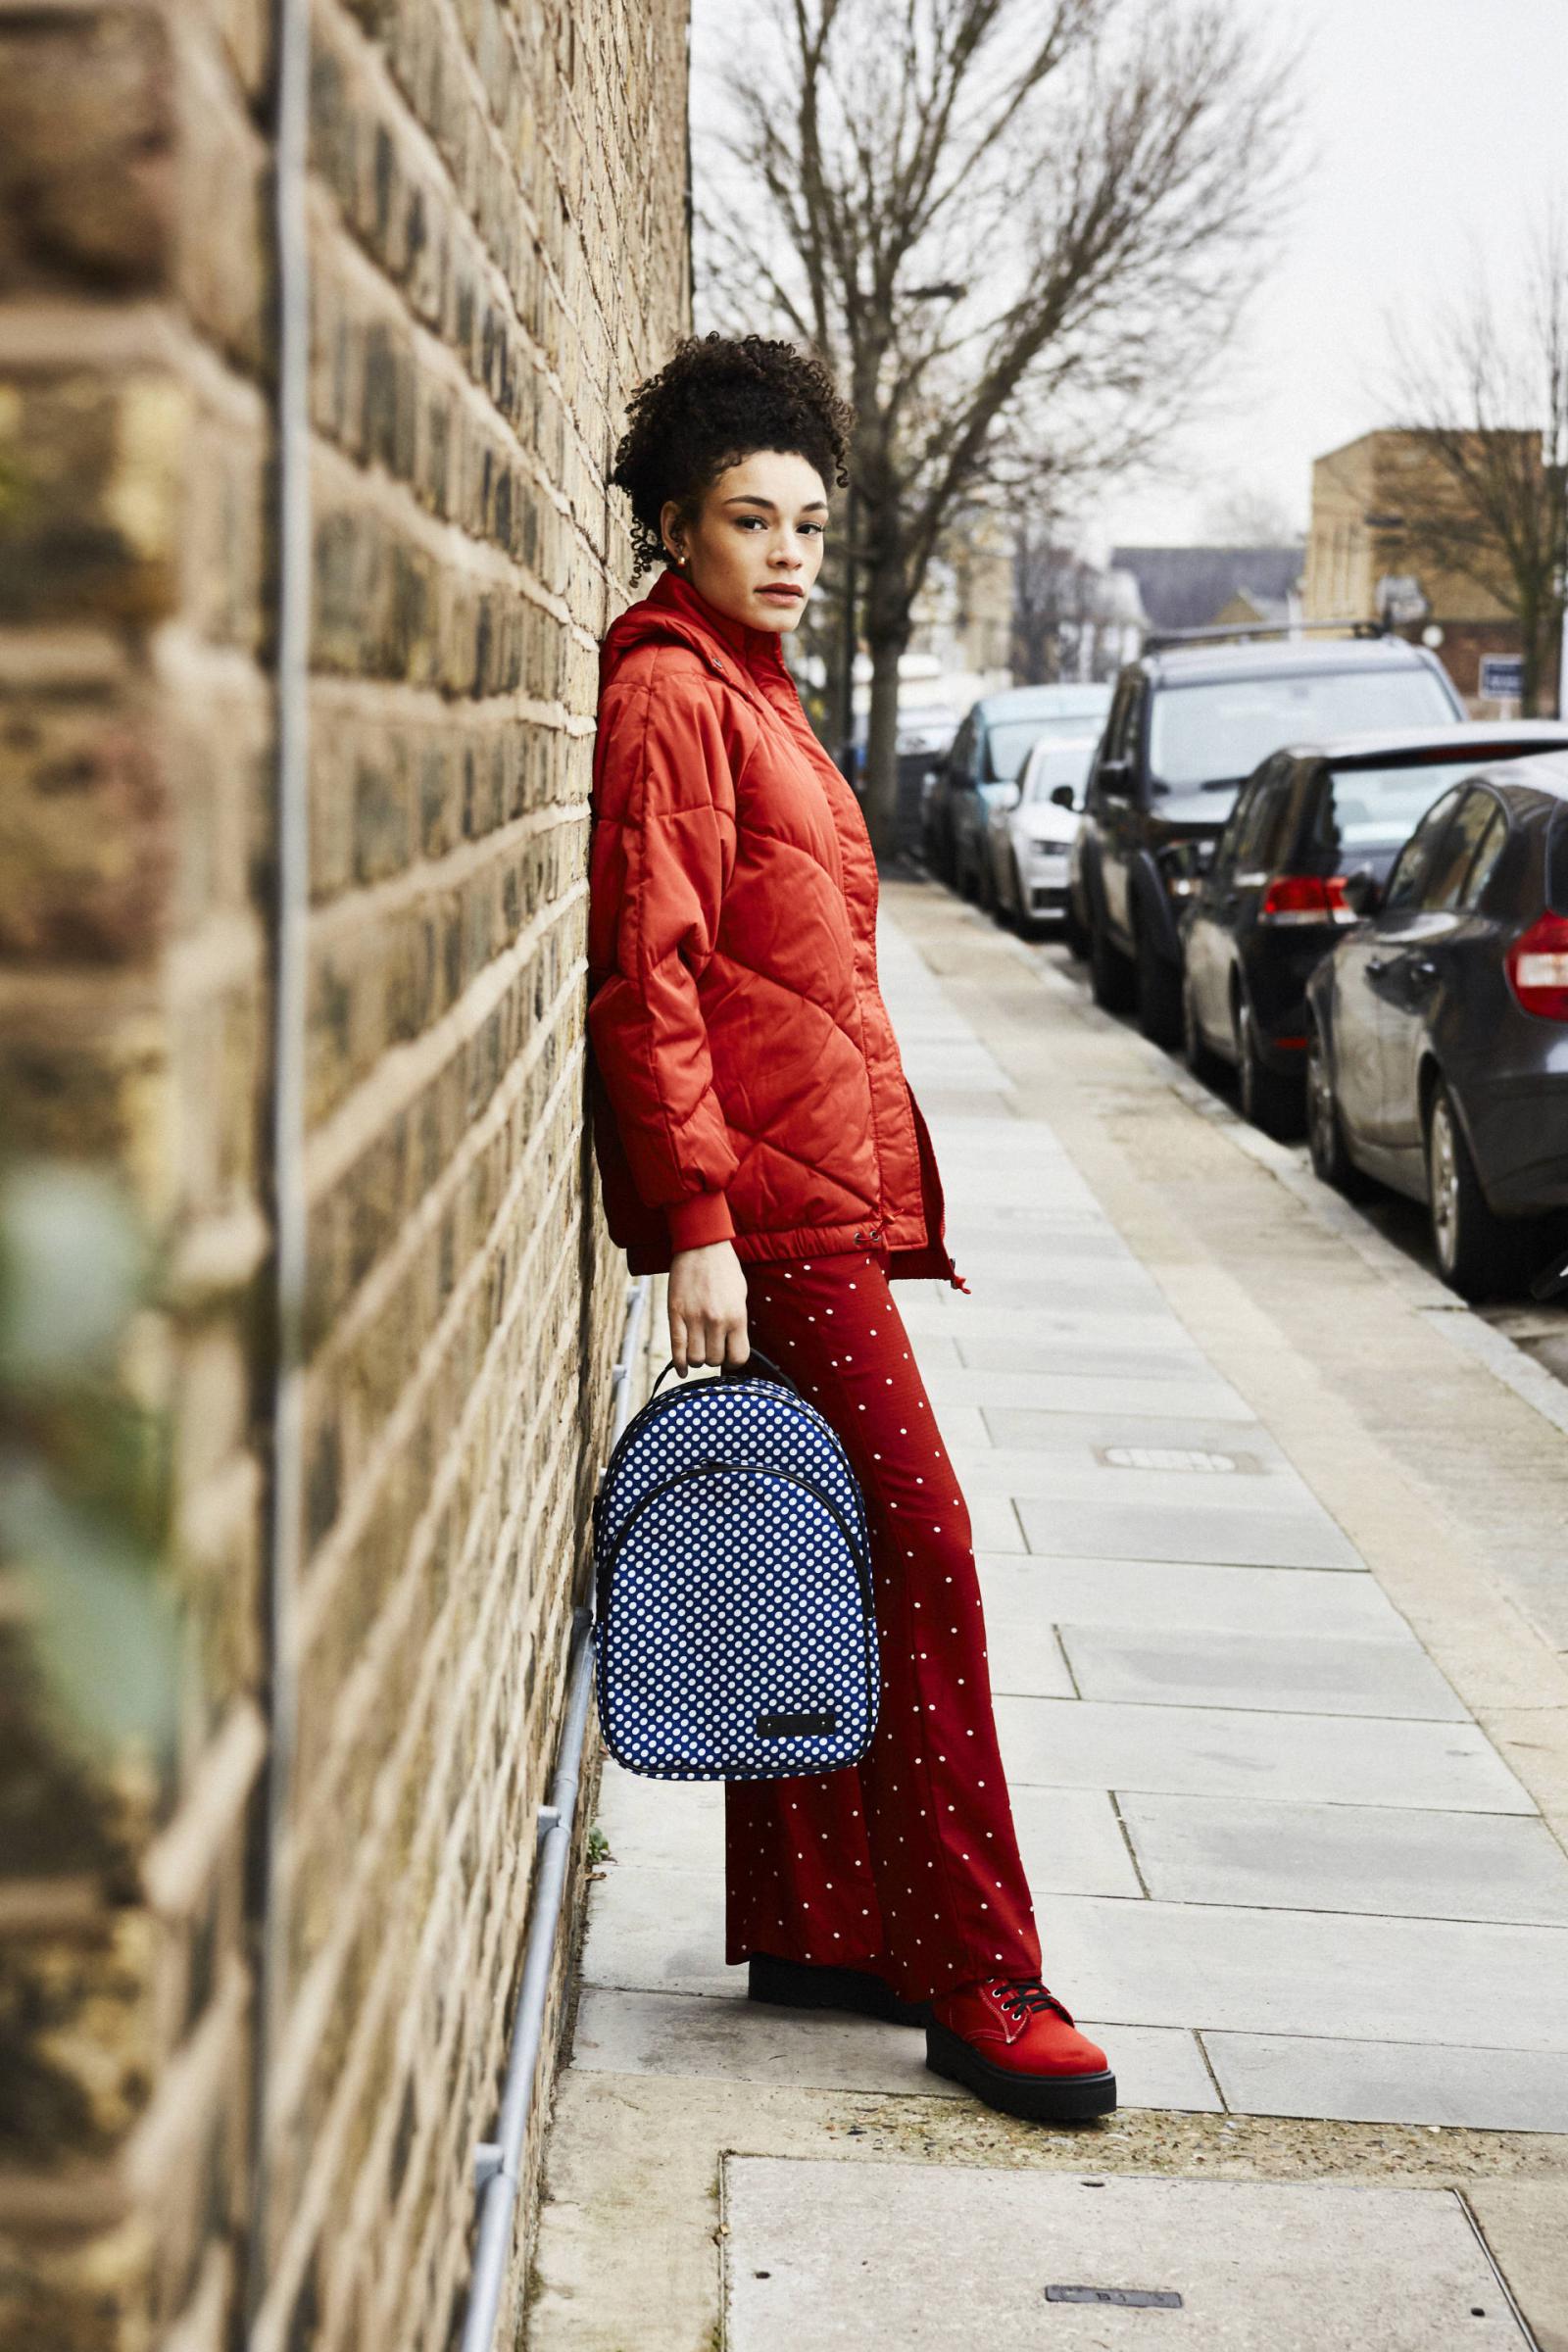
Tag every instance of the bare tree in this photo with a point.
(1485, 400)
(1246, 515)
(1018, 230)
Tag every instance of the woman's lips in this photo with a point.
(791, 596)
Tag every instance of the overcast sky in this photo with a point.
(1429, 124)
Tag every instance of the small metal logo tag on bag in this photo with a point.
(794, 1727)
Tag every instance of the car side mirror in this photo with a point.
(1113, 776)
(1010, 796)
(1363, 893)
(1062, 796)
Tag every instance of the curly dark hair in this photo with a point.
(716, 400)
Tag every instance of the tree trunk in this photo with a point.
(882, 748)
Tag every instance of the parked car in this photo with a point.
(1309, 828)
(925, 734)
(986, 754)
(1029, 835)
(1438, 1027)
(1190, 721)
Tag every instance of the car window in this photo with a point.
(1257, 843)
(1444, 875)
(1009, 743)
(1404, 882)
(1217, 731)
(1364, 809)
(1118, 729)
(1494, 840)
(1051, 763)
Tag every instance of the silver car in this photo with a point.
(1030, 832)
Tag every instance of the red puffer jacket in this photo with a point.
(745, 1080)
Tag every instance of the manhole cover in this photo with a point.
(1175, 1457)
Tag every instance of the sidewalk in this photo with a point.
(1293, 1863)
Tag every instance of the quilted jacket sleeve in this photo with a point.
(661, 850)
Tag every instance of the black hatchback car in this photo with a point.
(1191, 720)
(1438, 1028)
(1311, 827)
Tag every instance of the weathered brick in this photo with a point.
(497, 235)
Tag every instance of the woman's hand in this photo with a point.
(708, 1307)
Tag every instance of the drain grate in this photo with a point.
(1177, 1458)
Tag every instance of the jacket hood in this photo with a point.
(672, 613)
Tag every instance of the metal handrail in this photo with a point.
(496, 2161)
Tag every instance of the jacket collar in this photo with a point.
(761, 649)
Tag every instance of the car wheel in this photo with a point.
(1201, 1058)
(1476, 1252)
(1325, 1135)
(1160, 993)
(986, 891)
(1074, 936)
(1267, 1098)
(1111, 981)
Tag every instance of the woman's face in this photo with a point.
(756, 547)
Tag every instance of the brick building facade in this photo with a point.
(1378, 505)
(498, 248)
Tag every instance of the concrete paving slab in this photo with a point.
(1146, 1529)
(1210, 1752)
(1156, 1476)
(1525, 2223)
(1072, 1842)
(828, 2257)
(1223, 1968)
(660, 1930)
(1028, 1324)
(1048, 1393)
(1393, 2083)
(1289, 1673)
(1082, 1431)
(739, 2040)
(1070, 1839)
(661, 1824)
(1076, 1351)
(1388, 1862)
(1144, 1595)
(1025, 1655)
(994, 1524)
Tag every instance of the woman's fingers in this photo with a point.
(677, 1342)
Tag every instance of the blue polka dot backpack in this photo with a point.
(734, 1639)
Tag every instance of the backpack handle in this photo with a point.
(756, 1366)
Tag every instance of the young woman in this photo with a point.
(757, 1138)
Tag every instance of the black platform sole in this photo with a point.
(1037, 2098)
(793, 1985)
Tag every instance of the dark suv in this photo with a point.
(1192, 719)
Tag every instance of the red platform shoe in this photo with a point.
(1014, 2044)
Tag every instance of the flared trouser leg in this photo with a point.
(906, 1862)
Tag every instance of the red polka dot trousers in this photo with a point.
(908, 1861)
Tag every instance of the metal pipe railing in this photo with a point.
(292, 621)
(496, 2161)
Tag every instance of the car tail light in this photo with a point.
(1537, 968)
(1307, 899)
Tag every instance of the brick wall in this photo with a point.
(498, 243)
